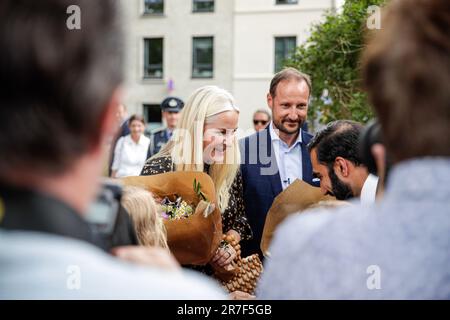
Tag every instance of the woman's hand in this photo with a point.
(224, 256)
(240, 295)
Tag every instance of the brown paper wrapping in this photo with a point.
(295, 198)
(193, 240)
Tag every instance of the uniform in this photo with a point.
(160, 136)
(158, 139)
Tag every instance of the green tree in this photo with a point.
(331, 57)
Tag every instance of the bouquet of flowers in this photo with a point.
(191, 217)
(179, 209)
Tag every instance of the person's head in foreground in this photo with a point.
(59, 101)
(336, 161)
(397, 248)
(60, 97)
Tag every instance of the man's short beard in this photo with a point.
(279, 126)
(340, 190)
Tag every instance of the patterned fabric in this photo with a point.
(233, 218)
(234, 215)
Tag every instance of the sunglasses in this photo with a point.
(263, 122)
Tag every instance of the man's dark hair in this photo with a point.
(56, 82)
(338, 139)
(288, 74)
(406, 71)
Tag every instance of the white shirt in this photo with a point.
(289, 158)
(130, 157)
(369, 189)
(43, 266)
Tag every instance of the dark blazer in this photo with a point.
(158, 139)
(262, 182)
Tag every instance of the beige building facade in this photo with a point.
(234, 44)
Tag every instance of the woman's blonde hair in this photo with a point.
(143, 210)
(186, 145)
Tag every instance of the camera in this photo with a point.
(370, 136)
(104, 211)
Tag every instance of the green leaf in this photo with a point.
(331, 56)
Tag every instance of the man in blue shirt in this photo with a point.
(275, 157)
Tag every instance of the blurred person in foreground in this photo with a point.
(399, 247)
(60, 96)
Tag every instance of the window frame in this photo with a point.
(277, 3)
(146, 111)
(203, 11)
(146, 75)
(147, 13)
(197, 76)
(286, 53)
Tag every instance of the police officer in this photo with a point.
(170, 107)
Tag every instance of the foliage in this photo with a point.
(331, 57)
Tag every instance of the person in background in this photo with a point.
(205, 141)
(52, 140)
(275, 157)
(170, 109)
(124, 129)
(398, 247)
(131, 150)
(260, 119)
(336, 161)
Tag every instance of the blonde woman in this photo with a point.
(144, 212)
(205, 141)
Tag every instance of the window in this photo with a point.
(287, 2)
(152, 116)
(153, 58)
(153, 6)
(202, 57)
(284, 46)
(203, 6)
